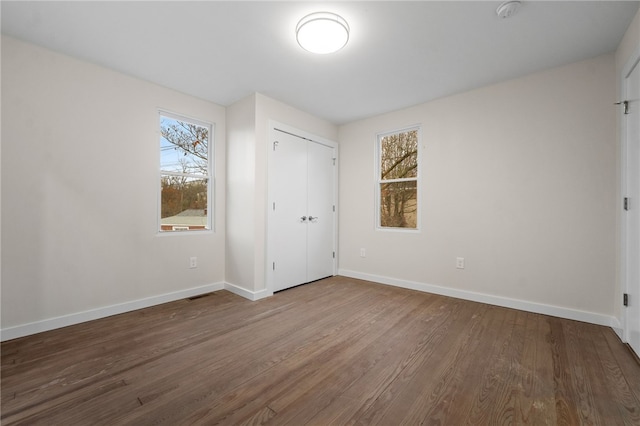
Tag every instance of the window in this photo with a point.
(185, 174)
(398, 179)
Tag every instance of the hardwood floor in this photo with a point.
(338, 351)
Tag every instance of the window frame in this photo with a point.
(379, 181)
(210, 175)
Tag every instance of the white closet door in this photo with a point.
(289, 230)
(301, 228)
(320, 203)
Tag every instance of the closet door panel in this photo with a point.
(320, 196)
(290, 215)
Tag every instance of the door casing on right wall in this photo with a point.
(630, 216)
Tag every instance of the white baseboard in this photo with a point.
(523, 305)
(619, 329)
(76, 318)
(247, 294)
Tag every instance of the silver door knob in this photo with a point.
(304, 218)
(311, 218)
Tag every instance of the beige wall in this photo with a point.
(80, 190)
(518, 178)
(240, 190)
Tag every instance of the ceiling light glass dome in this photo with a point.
(322, 32)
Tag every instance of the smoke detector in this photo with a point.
(508, 9)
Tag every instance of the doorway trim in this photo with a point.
(625, 285)
(275, 128)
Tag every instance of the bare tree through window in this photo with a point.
(398, 179)
(184, 174)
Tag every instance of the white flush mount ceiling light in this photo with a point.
(507, 9)
(322, 32)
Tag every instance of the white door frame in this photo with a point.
(633, 61)
(273, 136)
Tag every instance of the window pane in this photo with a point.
(184, 147)
(398, 204)
(399, 156)
(183, 203)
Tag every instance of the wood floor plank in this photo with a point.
(316, 381)
(99, 355)
(614, 383)
(587, 377)
(294, 346)
(434, 402)
(337, 351)
(304, 372)
(623, 360)
(535, 404)
(565, 400)
(396, 338)
(490, 386)
(168, 346)
(469, 368)
(364, 391)
(420, 372)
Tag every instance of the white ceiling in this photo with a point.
(399, 53)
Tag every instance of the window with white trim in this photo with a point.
(397, 172)
(185, 174)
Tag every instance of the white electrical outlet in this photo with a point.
(193, 262)
(363, 253)
(460, 262)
